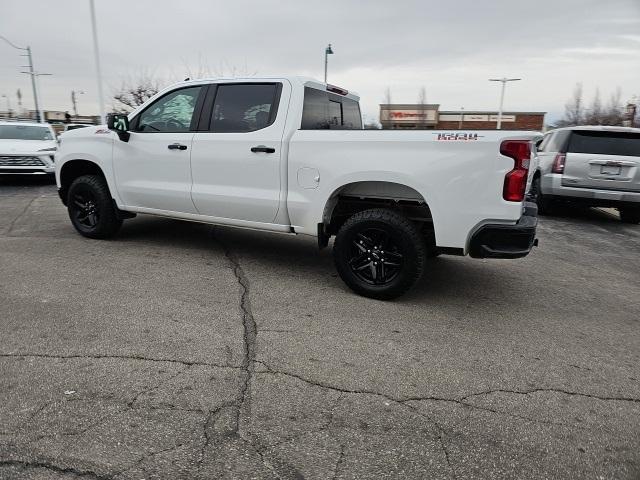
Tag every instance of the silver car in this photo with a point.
(595, 166)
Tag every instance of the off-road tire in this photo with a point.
(406, 246)
(90, 193)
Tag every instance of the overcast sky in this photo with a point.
(450, 48)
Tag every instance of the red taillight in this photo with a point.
(558, 163)
(515, 181)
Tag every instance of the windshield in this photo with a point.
(24, 132)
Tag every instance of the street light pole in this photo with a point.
(8, 105)
(327, 51)
(504, 81)
(74, 100)
(32, 73)
(96, 54)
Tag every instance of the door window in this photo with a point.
(171, 113)
(248, 107)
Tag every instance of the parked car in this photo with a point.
(289, 155)
(597, 166)
(27, 147)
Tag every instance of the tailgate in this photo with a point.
(606, 160)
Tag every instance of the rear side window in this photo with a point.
(324, 110)
(245, 107)
(605, 143)
(555, 142)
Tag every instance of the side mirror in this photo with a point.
(119, 123)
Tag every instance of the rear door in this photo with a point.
(235, 161)
(607, 160)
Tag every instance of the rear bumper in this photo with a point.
(553, 189)
(506, 241)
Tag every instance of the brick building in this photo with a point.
(430, 117)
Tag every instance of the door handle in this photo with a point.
(262, 148)
(177, 146)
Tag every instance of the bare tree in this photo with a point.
(573, 109)
(613, 113)
(421, 121)
(134, 92)
(594, 116)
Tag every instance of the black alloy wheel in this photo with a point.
(91, 208)
(375, 257)
(85, 209)
(379, 253)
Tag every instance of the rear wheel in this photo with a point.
(544, 204)
(91, 208)
(630, 215)
(379, 253)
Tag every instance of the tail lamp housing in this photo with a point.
(558, 163)
(515, 181)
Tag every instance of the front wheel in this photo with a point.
(630, 215)
(379, 254)
(91, 208)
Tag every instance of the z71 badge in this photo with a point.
(458, 136)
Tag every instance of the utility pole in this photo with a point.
(74, 101)
(6, 97)
(504, 81)
(32, 73)
(327, 51)
(461, 118)
(96, 54)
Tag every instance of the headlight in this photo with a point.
(52, 149)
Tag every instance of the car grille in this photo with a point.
(9, 161)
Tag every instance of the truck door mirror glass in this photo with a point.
(119, 123)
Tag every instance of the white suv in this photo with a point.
(27, 147)
(596, 166)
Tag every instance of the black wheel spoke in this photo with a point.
(375, 257)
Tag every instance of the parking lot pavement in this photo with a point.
(184, 351)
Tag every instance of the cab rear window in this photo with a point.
(324, 110)
(605, 143)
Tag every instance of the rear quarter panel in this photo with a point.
(459, 176)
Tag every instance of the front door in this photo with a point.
(152, 169)
(236, 162)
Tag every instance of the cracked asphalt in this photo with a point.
(182, 351)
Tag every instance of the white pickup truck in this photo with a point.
(289, 155)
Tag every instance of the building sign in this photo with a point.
(505, 118)
(408, 116)
(475, 118)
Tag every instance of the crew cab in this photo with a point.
(289, 155)
(595, 166)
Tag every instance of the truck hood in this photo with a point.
(10, 146)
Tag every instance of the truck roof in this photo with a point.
(601, 128)
(298, 80)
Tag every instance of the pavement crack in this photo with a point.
(443, 445)
(336, 469)
(250, 330)
(552, 390)
(19, 216)
(54, 468)
(116, 357)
